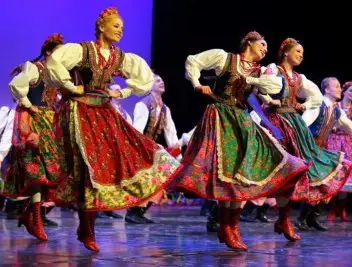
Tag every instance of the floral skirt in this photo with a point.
(33, 159)
(342, 142)
(108, 165)
(328, 171)
(231, 158)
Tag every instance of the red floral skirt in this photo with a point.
(108, 165)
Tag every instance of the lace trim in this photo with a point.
(332, 175)
(239, 178)
(80, 144)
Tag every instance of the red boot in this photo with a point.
(86, 231)
(26, 218)
(333, 210)
(284, 225)
(37, 226)
(342, 208)
(235, 227)
(229, 228)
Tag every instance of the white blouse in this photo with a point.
(141, 116)
(344, 123)
(139, 80)
(308, 90)
(19, 85)
(216, 59)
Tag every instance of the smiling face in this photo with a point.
(295, 55)
(111, 29)
(258, 49)
(159, 85)
(332, 88)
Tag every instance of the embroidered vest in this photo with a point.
(93, 77)
(288, 94)
(323, 125)
(230, 87)
(155, 126)
(37, 93)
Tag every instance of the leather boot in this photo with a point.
(333, 210)
(342, 207)
(301, 222)
(284, 225)
(312, 218)
(86, 230)
(229, 228)
(38, 228)
(261, 214)
(213, 219)
(46, 221)
(26, 218)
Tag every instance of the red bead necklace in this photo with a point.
(102, 62)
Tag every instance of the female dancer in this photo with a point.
(33, 168)
(328, 171)
(230, 158)
(108, 164)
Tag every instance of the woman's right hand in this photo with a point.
(79, 90)
(33, 110)
(204, 89)
(275, 103)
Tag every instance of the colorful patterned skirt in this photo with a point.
(231, 158)
(33, 158)
(328, 171)
(108, 165)
(338, 141)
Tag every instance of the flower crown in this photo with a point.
(108, 12)
(57, 37)
(253, 35)
(287, 42)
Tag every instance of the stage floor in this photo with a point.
(179, 238)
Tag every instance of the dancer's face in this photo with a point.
(295, 55)
(334, 89)
(258, 49)
(348, 93)
(112, 29)
(159, 85)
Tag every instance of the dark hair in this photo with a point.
(250, 37)
(285, 47)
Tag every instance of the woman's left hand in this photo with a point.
(115, 94)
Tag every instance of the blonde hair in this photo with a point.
(101, 22)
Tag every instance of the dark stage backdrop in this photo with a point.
(186, 27)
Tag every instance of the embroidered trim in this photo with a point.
(154, 131)
(41, 77)
(332, 174)
(79, 141)
(100, 77)
(240, 178)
